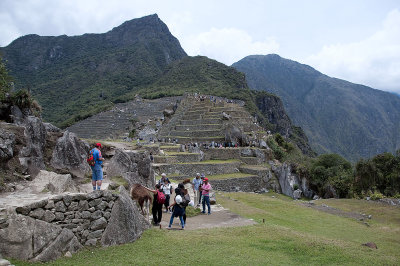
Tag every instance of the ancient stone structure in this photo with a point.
(47, 229)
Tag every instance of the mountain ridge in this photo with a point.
(336, 115)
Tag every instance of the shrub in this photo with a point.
(295, 187)
(376, 196)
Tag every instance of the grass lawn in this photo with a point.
(228, 176)
(291, 234)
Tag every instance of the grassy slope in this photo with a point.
(292, 234)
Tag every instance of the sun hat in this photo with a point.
(205, 179)
(163, 174)
(98, 144)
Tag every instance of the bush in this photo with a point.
(376, 196)
(295, 187)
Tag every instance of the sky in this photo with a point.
(355, 40)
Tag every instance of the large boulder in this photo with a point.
(70, 153)
(56, 183)
(27, 238)
(133, 166)
(125, 217)
(31, 157)
(7, 142)
(286, 178)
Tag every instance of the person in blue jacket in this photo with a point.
(97, 169)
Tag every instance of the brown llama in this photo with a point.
(142, 197)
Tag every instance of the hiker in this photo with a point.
(167, 189)
(185, 199)
(205, 192)
(157, 206)
(97, 169)
(178, 210)
(197, 182)
(163, 178)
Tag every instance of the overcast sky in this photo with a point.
(356, 40)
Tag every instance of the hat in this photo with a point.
(205, 179)
(163, 174)
(98, 144)
(202, 176)
(198, 174)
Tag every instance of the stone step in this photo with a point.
(207, 167)
(185, 157)
(250, 160)
(196, 133)
(199, 140)
(254, 169)
(169, 148)
(164, 159)
(199, 126)
(201, 121)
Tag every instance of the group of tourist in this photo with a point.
(177, 207)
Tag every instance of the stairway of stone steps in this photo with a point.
(117, 122)
(202, 122)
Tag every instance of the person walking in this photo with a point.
(157, 207)
(205, 191)
(179, 211)
(197, 182)
(167, 189)
(97, 169)
(163, 178)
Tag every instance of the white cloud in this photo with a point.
(227, 45)
(374, 61)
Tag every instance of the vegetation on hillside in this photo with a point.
(340, 117)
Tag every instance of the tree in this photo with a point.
(5, 80)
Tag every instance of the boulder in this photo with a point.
(7, 142)
(286, 179)
(297, 194)
(51, 128)
(26, 238)
(330, 192)
(70, 153)
(125, 217)
(133, 166)
(370, 245)
(56, 183)
(213, 199)
(147, 133)
(31, 157)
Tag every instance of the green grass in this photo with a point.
(291, 234)
(120, 181)
(228, 176)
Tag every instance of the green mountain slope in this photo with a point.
(206, 76)
(73, 77)
(337, 116)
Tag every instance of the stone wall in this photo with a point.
(192, 169)
(46, 229)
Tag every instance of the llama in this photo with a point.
(142, 197)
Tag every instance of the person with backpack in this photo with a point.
(158, 201)
(95, 161)
(167, 189)
(179, 211)
(205, 191)
(185, 199)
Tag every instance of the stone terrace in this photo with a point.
(117, 122)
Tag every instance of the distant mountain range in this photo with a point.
(74, 77)
(353, 120)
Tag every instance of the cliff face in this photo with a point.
(74, 77)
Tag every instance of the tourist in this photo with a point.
(205, 191)
(157, 208)
(97, 169)
(178, 210)
(185, 198)
(167, 189)
(163, 178)
(197, 182)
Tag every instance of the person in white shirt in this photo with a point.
(167, 189)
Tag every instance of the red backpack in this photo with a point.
(160, 197)
(90, 160)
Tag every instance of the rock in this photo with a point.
(263, 144)
(7, 142)
(330, 192)
(225, 116)
(316, 197)
(51, 128)
(286, 179)
(27, 238)
(370, 245)
(83, 205)
(70, 153)
(56, 183)
(297, 194)
(246, 152)
(168, 112)
(37, 213)
(68, 254)
(147, 133)
(60, 206)
(95, 234)
(49, 216)
(4, 262)
(125, 217)
(91, 242)
(59, 216)
(213, 199)
(98, 224)
(96, 215)
(50, 205)
(31, 157)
